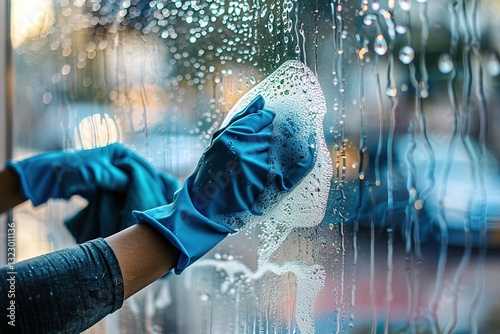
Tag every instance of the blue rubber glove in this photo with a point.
(229, 177)
(231, 174)
(60, 175)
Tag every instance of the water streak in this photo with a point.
(316, 36)
(480, 164)
(474, 164)
(390, 184)
(442, 221)
(413, 256)
(337, 71)
(373, 309)
(409, 220)
(423, 92)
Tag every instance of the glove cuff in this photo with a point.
(184, 227)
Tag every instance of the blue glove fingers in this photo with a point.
(252, 123)
(45, 176)
(17, 168)
(235, 167)
(82, 172)
(233, 188)
(246, 183)
(255, 106)
(59, 175)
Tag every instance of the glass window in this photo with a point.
(408, 234)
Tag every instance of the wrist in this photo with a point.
(183, 227)
(11, 193)
(143, 255)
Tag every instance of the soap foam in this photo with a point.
(293, 93)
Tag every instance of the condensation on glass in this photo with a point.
(410, 230)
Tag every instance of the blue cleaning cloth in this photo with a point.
(230, 176)
(113, 179)
(109, 211)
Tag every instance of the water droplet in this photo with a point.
(445, 63)
(391, 91)
(362, 52)
(270, 27)
(375, 5)
(380, 46)
(369, 19)
(493, 64)
(406, 54)
(47, 98)
(66, 69)
(204, 297)
(424, 89)
(401, 29)
(405, 4)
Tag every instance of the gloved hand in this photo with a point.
(60, 175)
(228, 179)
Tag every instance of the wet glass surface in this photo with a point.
(410, 233)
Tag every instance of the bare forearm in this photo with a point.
(144, 256)
(10, 190)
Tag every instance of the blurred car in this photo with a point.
(468, 195)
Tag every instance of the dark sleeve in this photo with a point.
(66, 291)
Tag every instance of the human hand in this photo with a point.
(228, 179)
(60, 174)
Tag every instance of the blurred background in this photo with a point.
(411, 237)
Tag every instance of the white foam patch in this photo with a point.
(293, 93)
